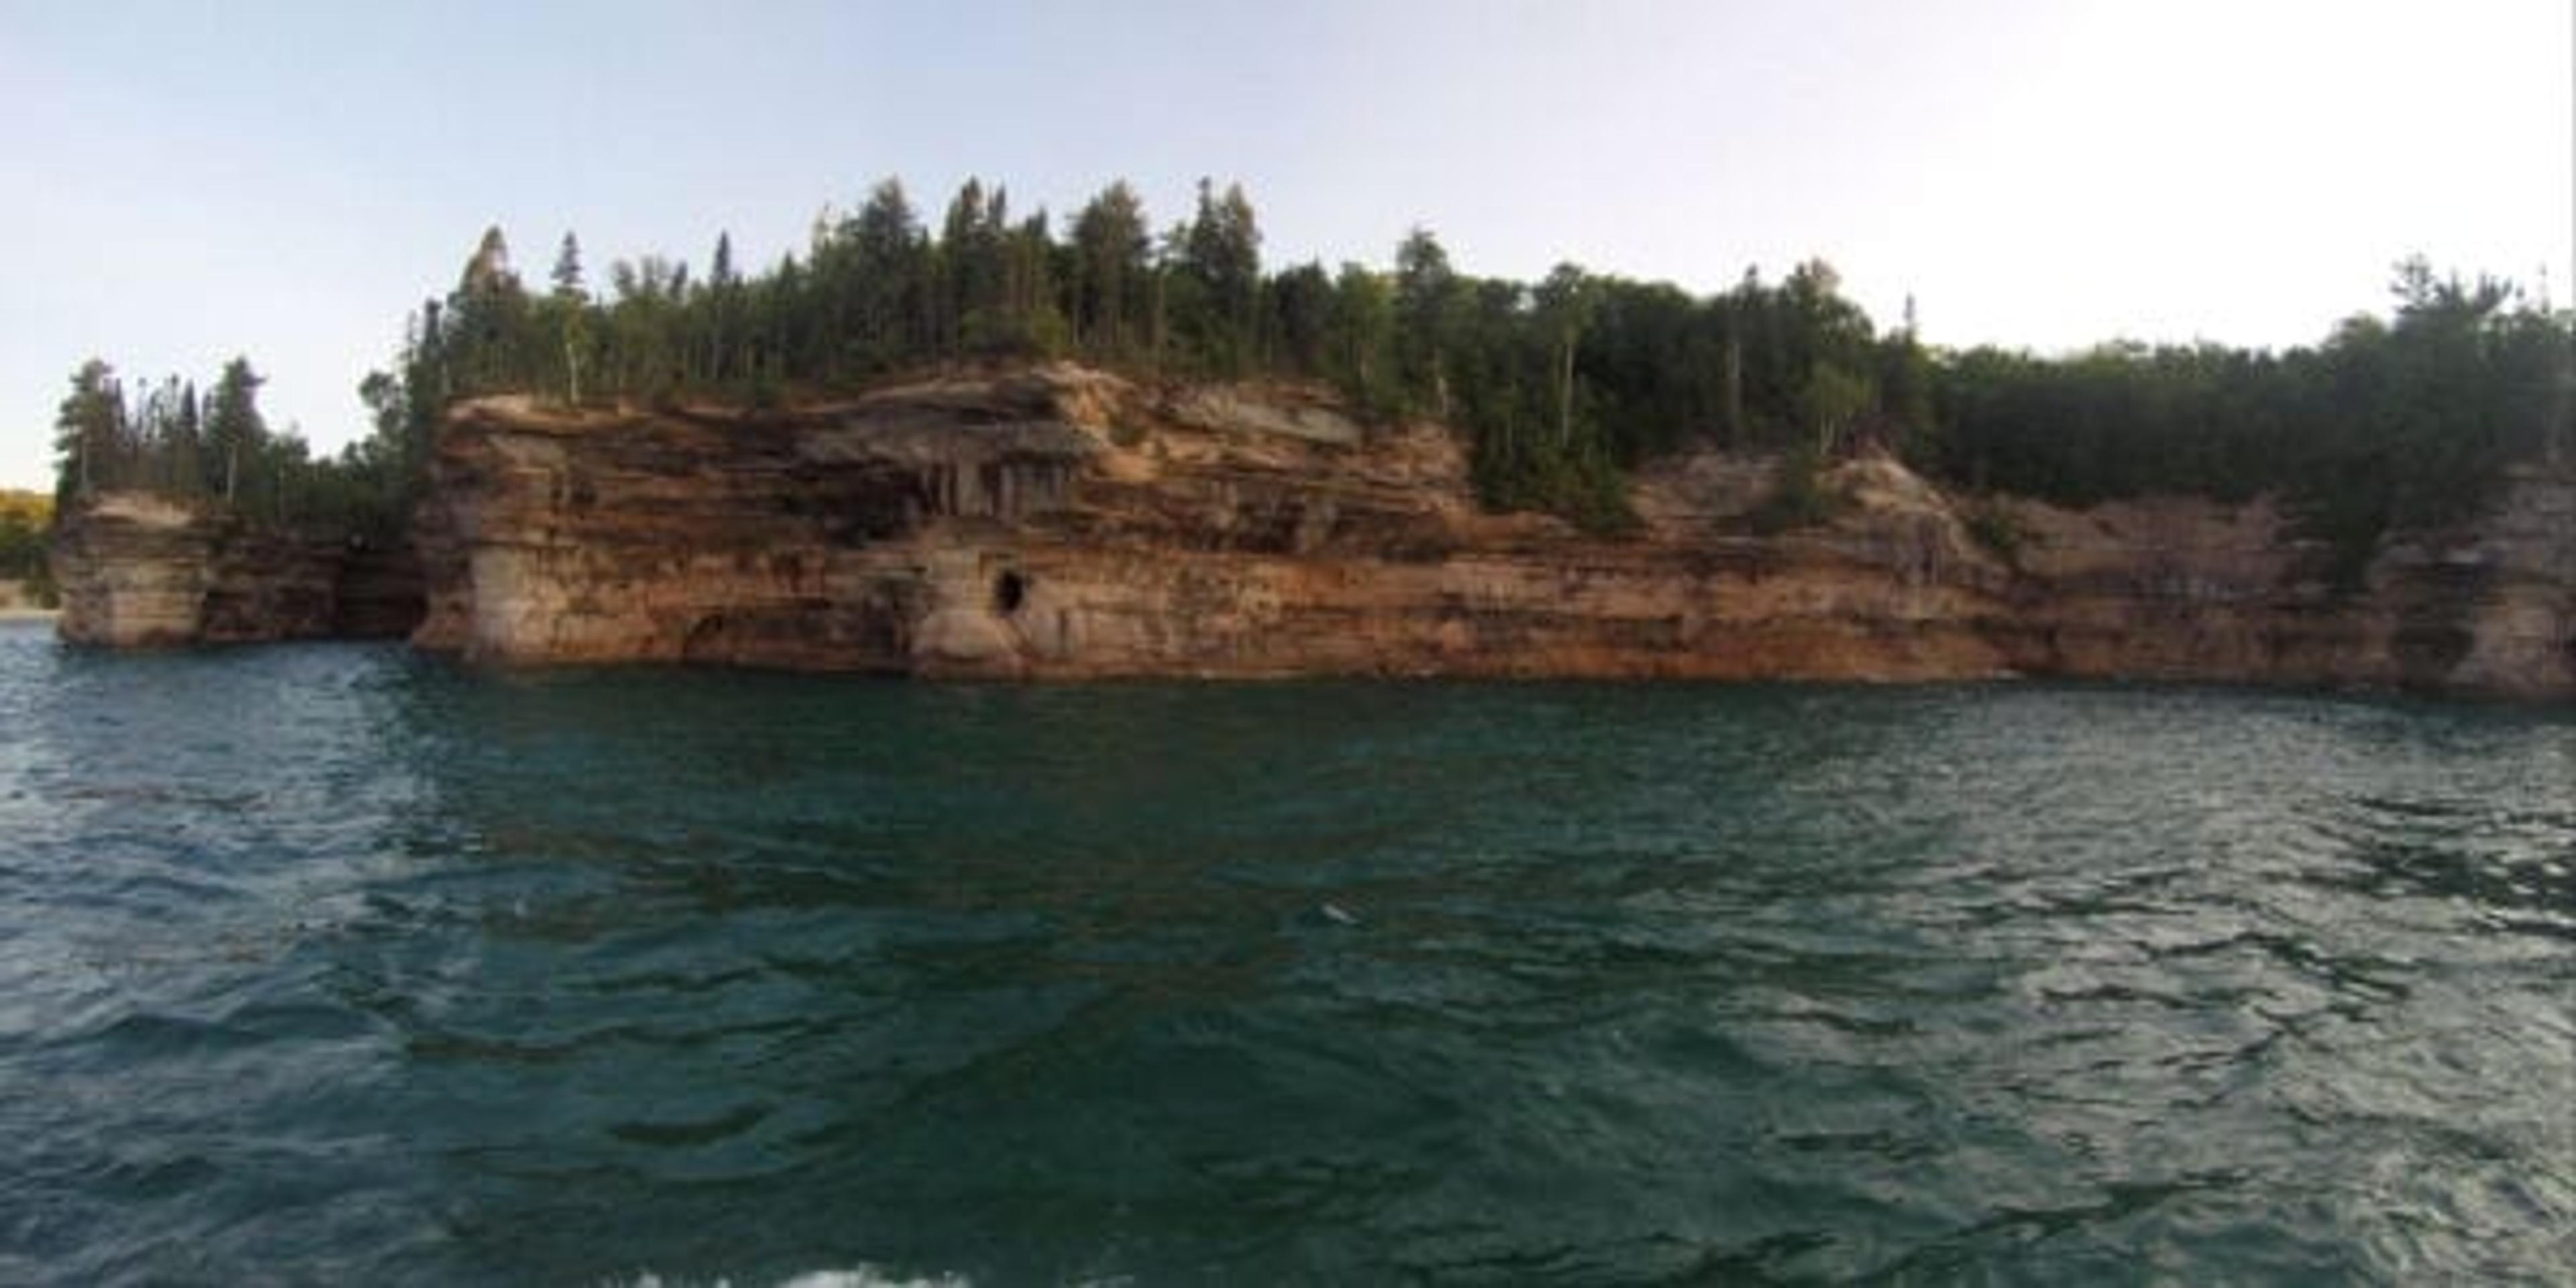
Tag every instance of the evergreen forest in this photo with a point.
(1558, 388)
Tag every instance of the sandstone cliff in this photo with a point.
(1059, 522)
(138, 570)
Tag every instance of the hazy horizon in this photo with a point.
(287, 180)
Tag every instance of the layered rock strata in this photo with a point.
(140, 571)
(1059, 522)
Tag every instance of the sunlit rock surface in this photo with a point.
(141, 571)
(1059, 523)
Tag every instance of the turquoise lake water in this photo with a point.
(334, 964)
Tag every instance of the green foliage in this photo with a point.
(1561, 386)
(1799, 497)
(2387, 424)
(1556, 388)
(92, 438)
(1112, 277)
(1428, 294)
(237, 438)
(1297, 322)
(1994, 527)
(1580, 487)
(1359, 343)
(157, 438)
(1214, 291)
(1833, 402)
(26, 518)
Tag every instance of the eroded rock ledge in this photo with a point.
(1059, 522)
(140, 571)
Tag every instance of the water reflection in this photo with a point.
(423, 973)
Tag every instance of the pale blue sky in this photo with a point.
(187, 180)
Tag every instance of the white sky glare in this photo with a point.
(186, 181)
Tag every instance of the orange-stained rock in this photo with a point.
(1058, 522)
(142, 571)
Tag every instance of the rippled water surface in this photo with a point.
(332, 964)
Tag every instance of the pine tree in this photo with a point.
(1362, 343)
(892, 313)
(1427, 293)
(571, 305)
(1566, 303)
(1218, 256)
(724, 328)
(236, 436)
(487, 321)
(87, 428)
(567, 272)
(1112, 251)
(188, 441)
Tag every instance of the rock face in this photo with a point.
(2191, 590)
(1059, 522)
(140, 571)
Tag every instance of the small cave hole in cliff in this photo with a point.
(1010, 590)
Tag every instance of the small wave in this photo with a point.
(870, 1277)
(699, 1132)
(862, 1275)
(149, 794)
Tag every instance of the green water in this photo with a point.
(335, 965)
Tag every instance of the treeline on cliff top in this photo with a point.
(1559, 387)
(217, 450)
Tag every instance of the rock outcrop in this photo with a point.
(1059, 522)
(141, 571)
(2188, 589)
